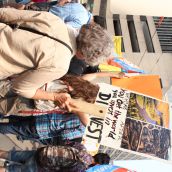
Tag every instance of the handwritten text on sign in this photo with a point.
(115, 118)
(111, 127)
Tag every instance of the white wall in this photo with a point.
(142, 7)
(154, 63)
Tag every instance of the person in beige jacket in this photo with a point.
(36, 59)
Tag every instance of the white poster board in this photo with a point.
(134, 127)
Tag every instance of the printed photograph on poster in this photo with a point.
(110, 127)
(135, 126)
(148, 110)
(147, 139)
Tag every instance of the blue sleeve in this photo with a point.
(59, 11)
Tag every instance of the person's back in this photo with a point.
(72, 158)
(29, 50)
(73, 14)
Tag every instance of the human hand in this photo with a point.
(121, 75)
(118, 75)
(63, 100)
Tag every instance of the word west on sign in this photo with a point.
(108, 130)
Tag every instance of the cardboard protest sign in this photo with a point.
(134, 125)
(141, 84)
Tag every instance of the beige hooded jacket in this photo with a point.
(36, 58)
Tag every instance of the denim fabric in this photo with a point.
(73, 14)
(23, 161)
(23, 127)
(61, 126)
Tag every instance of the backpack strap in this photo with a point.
(15, 26)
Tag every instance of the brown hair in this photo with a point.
(81, 88)
(94, 43)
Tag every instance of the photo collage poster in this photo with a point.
(135, 125)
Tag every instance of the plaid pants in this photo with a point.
(23, 127)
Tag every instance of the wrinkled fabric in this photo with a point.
(63, 156)
(23, 161)
(11, 103)
(73, 14)
(63, 127)
(38, 59)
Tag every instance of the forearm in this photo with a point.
(62, 99)
(89, 77)
(84, 118)
(109, 74)
(92, 76)
(29, 83)
(43, 95)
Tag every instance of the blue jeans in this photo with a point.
(23, 127)
(23, 161)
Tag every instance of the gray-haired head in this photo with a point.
(94, 44)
